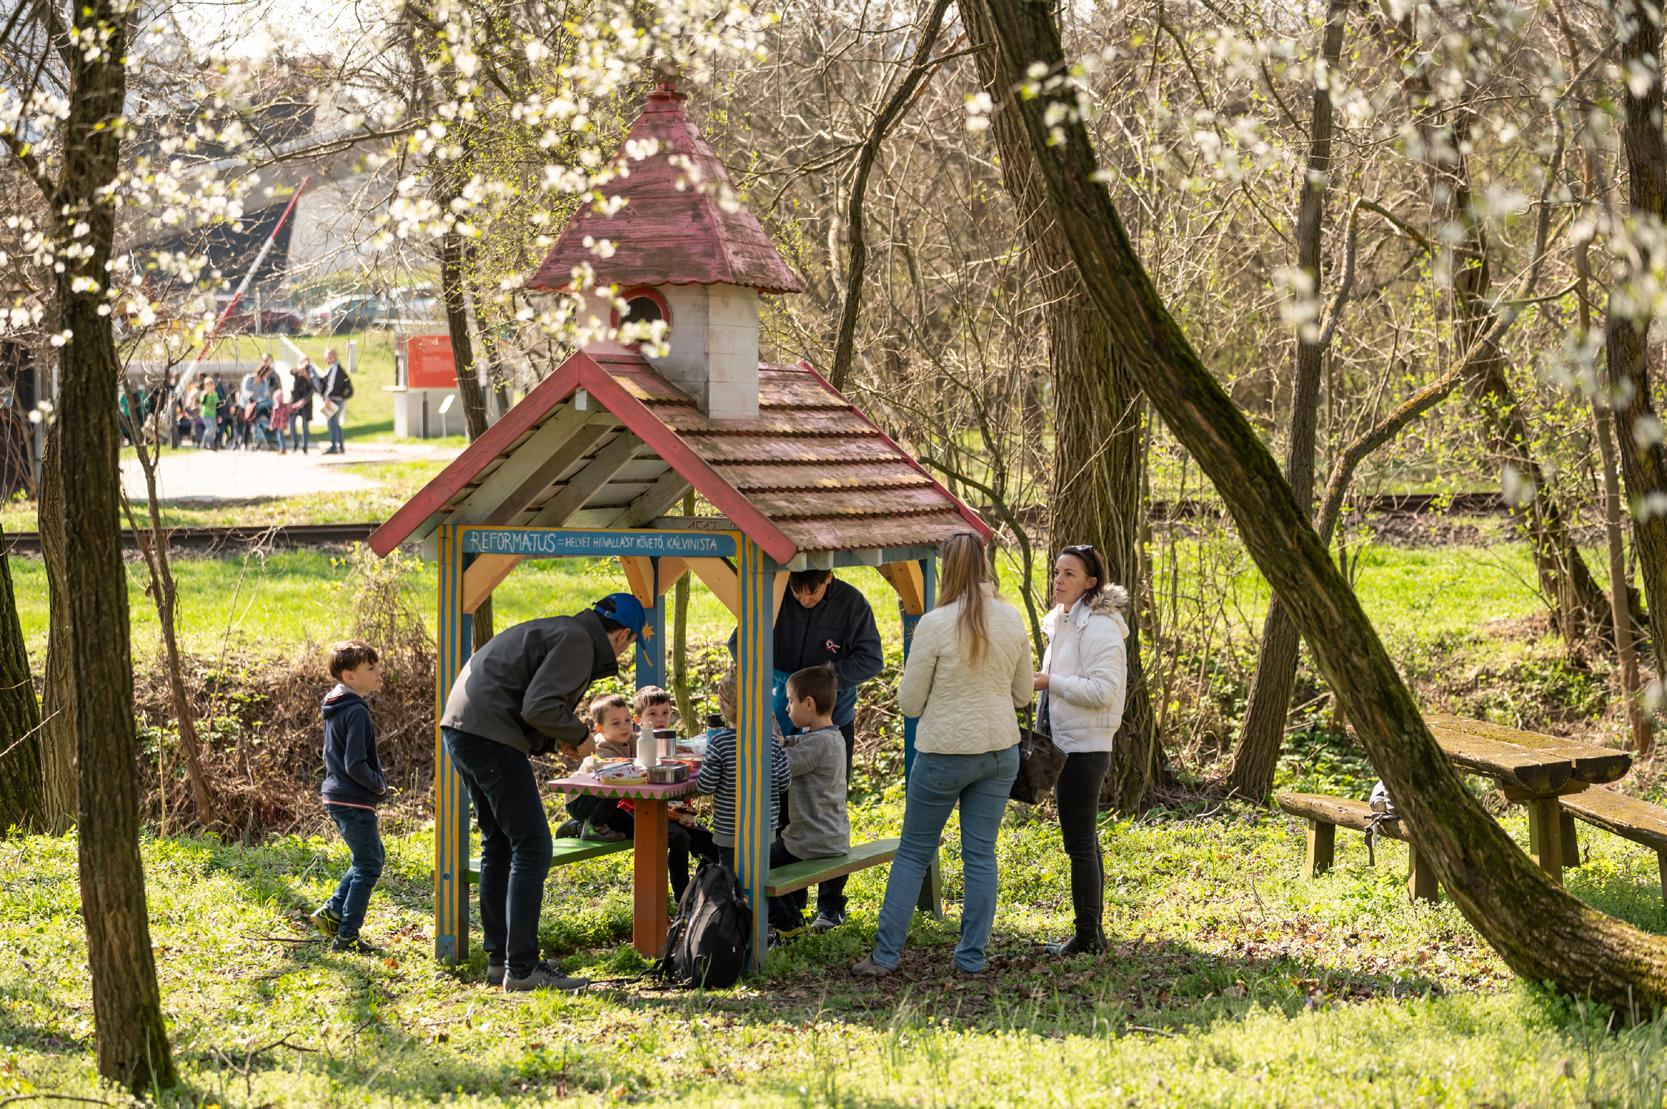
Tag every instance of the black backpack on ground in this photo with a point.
(709, 940)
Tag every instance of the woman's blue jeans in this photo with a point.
(980, 783)
(333, 422)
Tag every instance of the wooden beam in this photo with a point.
(906, 578)
(666, 491)
(639, 575)
(780, 587)
(519, 496)
(719, 576)
(502, 484)
(670, 570)
(487, 571)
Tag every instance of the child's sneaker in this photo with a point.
(353, 945)
(327, 921)
(494, 974)
(827, 920)
(600, 833)
(570, 829)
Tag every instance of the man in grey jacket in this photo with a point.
(518, 696)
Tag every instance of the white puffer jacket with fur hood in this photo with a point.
(1088, 670)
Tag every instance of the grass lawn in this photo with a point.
(1232, 981)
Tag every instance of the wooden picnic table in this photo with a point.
(649, 918)
(1533, 769)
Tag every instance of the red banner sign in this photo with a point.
(428, 362)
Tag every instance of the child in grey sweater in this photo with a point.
(817, 823)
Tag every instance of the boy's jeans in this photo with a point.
(358, 829)
(515, 847)
(980, 783)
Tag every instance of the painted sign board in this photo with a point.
(596, 543)
(428, 362)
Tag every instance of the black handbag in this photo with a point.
(1039, 760)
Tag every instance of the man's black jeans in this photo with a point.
(1077, 794)
(515, 845)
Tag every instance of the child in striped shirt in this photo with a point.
(717, 776)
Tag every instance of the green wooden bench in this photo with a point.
(1628, 817)
(564, 851)
(810, 872)
(1324, 814)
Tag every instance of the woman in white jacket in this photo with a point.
(1083, 679)
(968, 670)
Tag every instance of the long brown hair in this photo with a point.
(964, 575)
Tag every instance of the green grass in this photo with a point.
(1232, 981)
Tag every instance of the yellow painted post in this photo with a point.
(755, 665)
(451, 799)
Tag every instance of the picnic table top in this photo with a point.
(646, 791)
(1532, 763)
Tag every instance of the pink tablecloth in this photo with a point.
(587, 784)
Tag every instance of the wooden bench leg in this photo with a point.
(1322, 847)
(1661, 865)
(931, 889)
(1571, 844)
(1545, 835)
(1421, 883)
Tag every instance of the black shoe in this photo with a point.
(1076, 946)
(543, 976)
(827, 920)
(495, 974)
(353, 945)
(570, 829)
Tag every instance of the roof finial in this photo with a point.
(665, 79)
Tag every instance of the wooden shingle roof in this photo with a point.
(607, 442)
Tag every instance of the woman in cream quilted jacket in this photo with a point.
(969, 668)
(1084, 677)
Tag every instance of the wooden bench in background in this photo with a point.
(1325, 814)
(565, 850)
(1628, 817)
(810, 872)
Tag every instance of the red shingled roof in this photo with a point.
(674, 228)
(810, 473)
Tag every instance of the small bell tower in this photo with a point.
(685, 251)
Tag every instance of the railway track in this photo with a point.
(243, 538)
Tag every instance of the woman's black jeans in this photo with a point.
(1077, 794)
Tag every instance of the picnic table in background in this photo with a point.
(1531, 768)
(649, 916)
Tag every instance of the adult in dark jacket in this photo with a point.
(828, 621)
(336, 388)
(301, 392)
(518, 696)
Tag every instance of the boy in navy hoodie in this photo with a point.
(353, 787)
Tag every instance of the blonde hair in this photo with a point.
(726, 698)
(965, 573)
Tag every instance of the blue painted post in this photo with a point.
(931, 888)
(755, 664)
(651, 647)
(451, 800)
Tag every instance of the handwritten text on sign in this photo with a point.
(595, 544)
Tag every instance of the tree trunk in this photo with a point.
(1098, 459)
(1643, 460)
(22, 787)
(1567, 583)
(85, 569)
(60, 778)
(452, 290)
(1263, 732)
(153, 541)
(1542, 932)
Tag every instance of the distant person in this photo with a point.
(301, 393)
(208, 412)
(1083, 680)
(336, 387)
(354, 786)
(968, 671)
(518, 696)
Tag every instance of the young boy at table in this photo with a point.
(717, 776)
(653, 706)
(600, 818)
(817, 824)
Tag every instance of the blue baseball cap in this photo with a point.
(624, 610)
